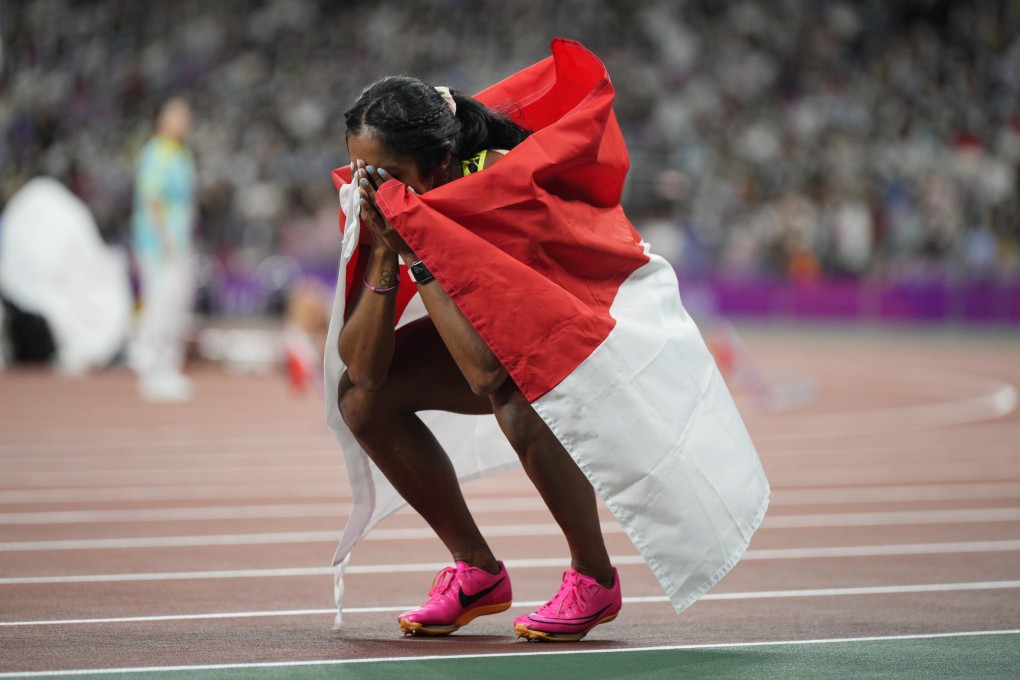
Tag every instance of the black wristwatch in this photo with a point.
(420, 273)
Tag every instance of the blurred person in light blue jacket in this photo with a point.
(163, 221)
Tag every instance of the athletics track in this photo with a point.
(198, 537)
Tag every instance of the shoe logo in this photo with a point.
(468, 600)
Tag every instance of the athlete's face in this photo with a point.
(368, 147)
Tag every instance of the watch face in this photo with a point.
(419, 272)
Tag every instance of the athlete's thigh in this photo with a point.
(423, 375)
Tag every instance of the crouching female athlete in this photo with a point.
(404, 129)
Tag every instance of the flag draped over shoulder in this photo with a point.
(538, 254)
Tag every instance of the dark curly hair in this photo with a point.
(414, 120)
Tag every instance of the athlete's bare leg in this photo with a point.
(422, 376)
(562, 485)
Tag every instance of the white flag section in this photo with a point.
(646, 416)
(649, 420)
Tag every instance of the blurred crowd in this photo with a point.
(768, 137)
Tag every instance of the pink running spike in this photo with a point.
(578, 606)
(458, 595)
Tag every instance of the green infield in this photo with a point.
(968, 655)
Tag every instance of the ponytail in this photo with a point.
(481, 128)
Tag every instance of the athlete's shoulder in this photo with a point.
(482, 160)
(492, 156)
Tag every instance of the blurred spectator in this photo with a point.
(306, 324)
(164, 218)
(777, 137)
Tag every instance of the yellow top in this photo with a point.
(475, 163)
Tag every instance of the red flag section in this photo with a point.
(534, 249)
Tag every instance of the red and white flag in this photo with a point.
(538, 254)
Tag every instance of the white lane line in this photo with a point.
(482, 505)
(775, 521)
(171, 541)
(790, 496)
(899, 472)
(654, 599)
(406, 568)
(294, 470)
(896, 493)
(54, 470)
(183, 492)
(928, 448)
(863, 590)
(414, 533)
(125, 438)
(221, 512)
(286, 572)
(190, 514)
(997, 445)
(523, 563)
(142, 458)
(882, 550)
(787, 471)
(892, 518)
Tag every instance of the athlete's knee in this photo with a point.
(484, 382)
(521, 425)
(358, 407)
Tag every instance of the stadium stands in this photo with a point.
(792, 141)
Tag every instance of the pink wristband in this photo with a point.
(381, 291)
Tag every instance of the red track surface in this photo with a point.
(909, 447)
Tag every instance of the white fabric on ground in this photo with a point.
(54, 263)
